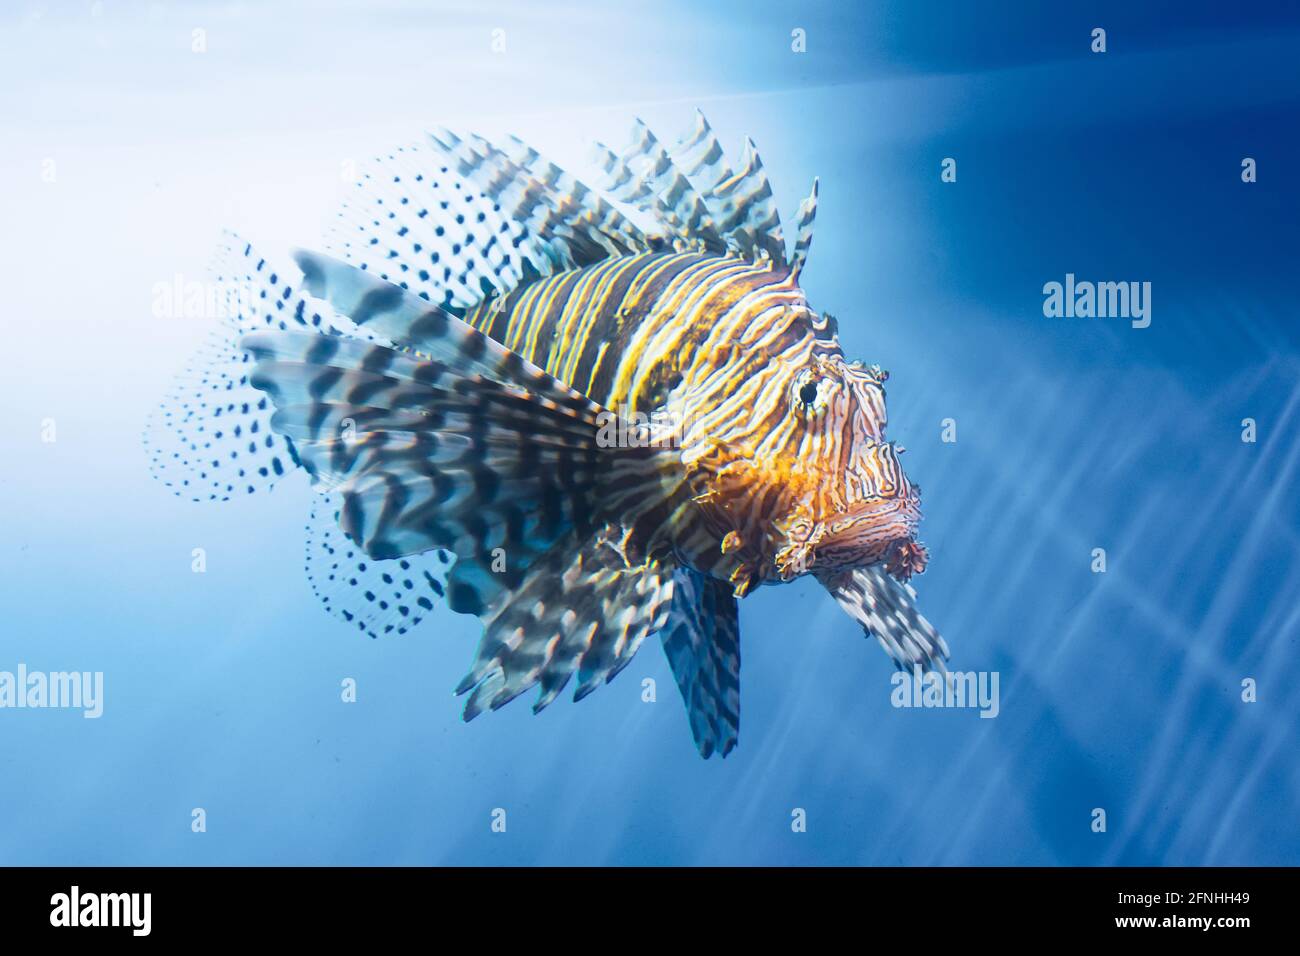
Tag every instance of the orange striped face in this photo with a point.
(859, 507)
(803, 479)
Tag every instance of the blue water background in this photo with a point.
(1119, 691)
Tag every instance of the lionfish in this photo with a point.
(584, 432)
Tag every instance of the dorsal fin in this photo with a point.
(646, 177)
(699, 154)
(458, 220)
(410, 220)
(583, 207)
(552, 204)
(700, 200)
(746, 213)
(803, 232)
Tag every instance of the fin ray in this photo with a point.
(887, 611)
(581, 610)
(375, 597)
(701, 640)
(210, 439)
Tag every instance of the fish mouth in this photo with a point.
(869, 531)
(872, 530)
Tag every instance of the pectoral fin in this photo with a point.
(887, 610)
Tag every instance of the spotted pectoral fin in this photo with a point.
(403, 319)
(887, 610)
(702, 642)
(210, 439)
(428, 456)
(579, 609)
(376, 597)
(425, 457)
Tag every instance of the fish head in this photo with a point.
(815, 487)
(857, 506)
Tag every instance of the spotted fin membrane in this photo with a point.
(410, 221)
(377, 597)
(211, 440)
(456, 221)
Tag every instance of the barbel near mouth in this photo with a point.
(798, 556)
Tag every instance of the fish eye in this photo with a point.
(808, 392)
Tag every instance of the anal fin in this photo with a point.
(702, 642)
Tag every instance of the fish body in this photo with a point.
(616, 433)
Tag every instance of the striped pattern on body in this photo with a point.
(493, 314)
(619, 331)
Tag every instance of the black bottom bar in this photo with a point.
(333, 905)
